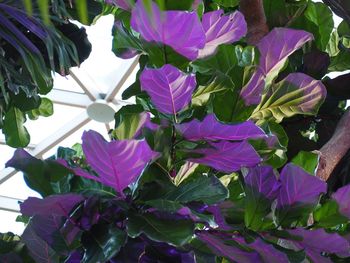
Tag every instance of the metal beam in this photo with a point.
(124, 74)
(51, 141)
(6, 174)
(69, 98)
(9, 204)
(88, 85)
(29, 146)
(61, 134)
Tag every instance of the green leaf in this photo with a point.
(297, 214)
(165, 205)
(224, 59)
(185, 171)
(178, 5)
(246, 56)
(220, 83)
(45, 109)
(275, 11)
(332, 47)
(124, 39)
(206, 189)
(175, 232)
(82, 11)
(322, 16)
(128, 120)
(307, 160)
(44, 10)
(15, 133)
(227, 3)
(287, 100)
(102, 242)
(223, 104)
(341, 62)
(256, 208)
(328, 215)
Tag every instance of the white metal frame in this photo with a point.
(73, 99)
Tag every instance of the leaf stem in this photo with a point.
(172, 149)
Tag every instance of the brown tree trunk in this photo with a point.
(333, 151)
(253, 11)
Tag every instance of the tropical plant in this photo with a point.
(33, 44)
(197, 170)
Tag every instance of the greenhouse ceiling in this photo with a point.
(96, 85)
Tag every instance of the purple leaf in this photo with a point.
(58, 205)
(274, 49)
(297, 186)
(267, 252)
(145, 122)
(169, 88)
(178, 29)
(212, 129)
(342, 196)
(48, 229)
(217, 243)
(263, 179)
(221, 29)
(37, 247)
(251, 93)
(228, 156)
(316, 241)
(219, 218)
(118, 163)
(278, 45)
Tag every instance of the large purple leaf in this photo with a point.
(342, 196)
(58, 205)
(316, 241)
(297, 186)
(274, 50)
(211, 129)
(169, 88)
(217, 243)
(221, 29)
(278, 45)
(228, 156)
(263, 180)
(118, 163)
(178, 29)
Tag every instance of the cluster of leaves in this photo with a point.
(36, 39)
(195, 171)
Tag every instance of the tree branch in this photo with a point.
(253, 11)
(333, 151)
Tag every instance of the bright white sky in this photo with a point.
(102, 66)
